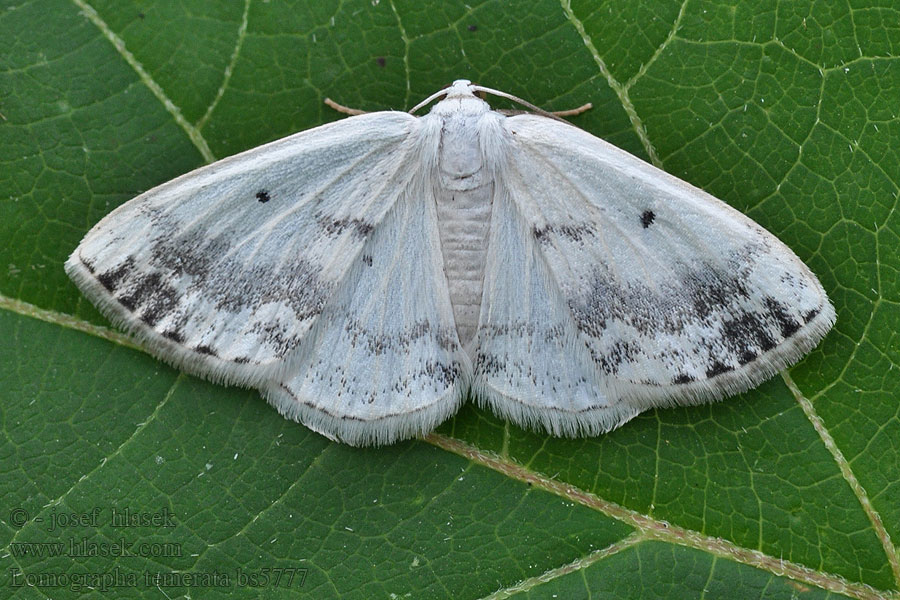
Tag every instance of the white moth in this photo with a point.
(367, 274)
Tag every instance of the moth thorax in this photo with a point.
(460, 160)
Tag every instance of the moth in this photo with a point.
(370, 274)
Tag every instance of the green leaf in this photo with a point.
(787, 111)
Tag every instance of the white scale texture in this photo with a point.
(368, 274)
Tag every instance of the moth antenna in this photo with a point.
(574, 111)
(546, 113)
(429, 99)
(343, 109)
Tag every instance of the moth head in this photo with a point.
(460, 88)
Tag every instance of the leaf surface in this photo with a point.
(786, 111)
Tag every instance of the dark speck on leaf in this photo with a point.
(647, 218)
(263, 196)
(381, 61)
(473, 27)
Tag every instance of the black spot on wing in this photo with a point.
(746, 356)
(162, 302)
(746, 336)
(647, 218)
(205, 350)
(809, 316)
(336, 227)
(127, 302)
(712, 292)
(718, 368)
(779, 312)
(150, 317)
(367, 260)
(111, 279)
(682, 379)
(621, 352)
(87, 264)
(174, 335)
(277, 334)
(573, 233)
(152, 293)
(263, 196)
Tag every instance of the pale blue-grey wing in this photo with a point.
(383, 361)
(224, 270)
(612, 287)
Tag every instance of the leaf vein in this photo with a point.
(657, 529)
(119, 44)
(620, 90)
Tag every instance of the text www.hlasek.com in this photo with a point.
(86, 548)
